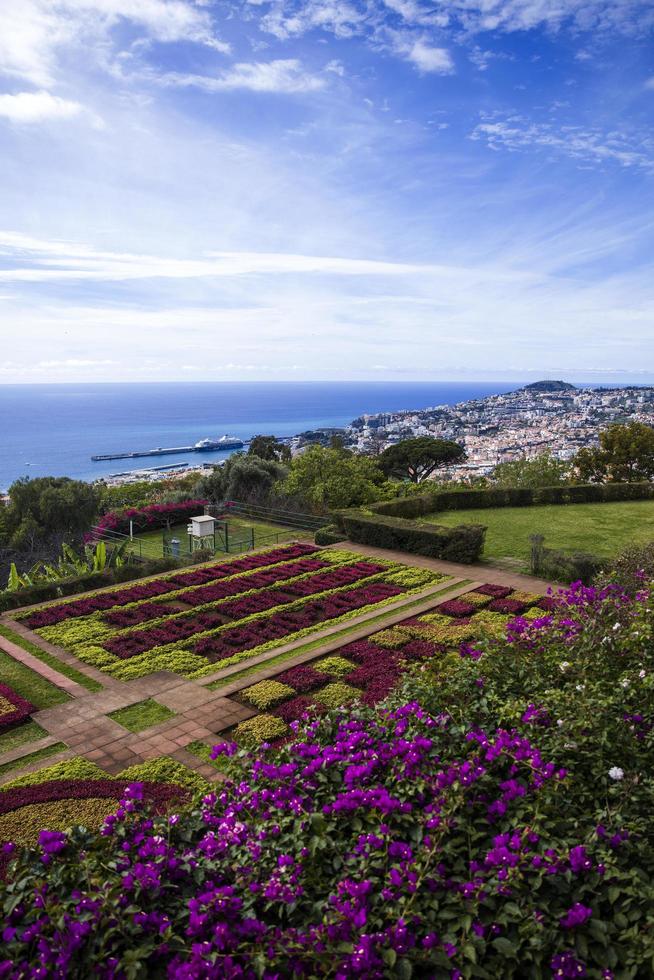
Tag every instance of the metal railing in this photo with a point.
(269, 515)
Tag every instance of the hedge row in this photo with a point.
(463, 543)
(429, 503)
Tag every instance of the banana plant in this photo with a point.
(94, 559)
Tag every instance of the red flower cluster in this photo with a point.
(497, 591)
(303, 678)
(22, 709)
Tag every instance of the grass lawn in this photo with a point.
(47, 658)
(601, 529)
(28, 684)
(240, 534)
(27, 760)
(29, 731)
(137, 717)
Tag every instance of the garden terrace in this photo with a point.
(368, 670)
(223, 613)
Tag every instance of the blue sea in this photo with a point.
(53, 430)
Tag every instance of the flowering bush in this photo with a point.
(13, 708)
(373, 844)
(147, 518)
(458, 608)
(303, 678)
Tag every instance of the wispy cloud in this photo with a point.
(282, 75)
(586, 145)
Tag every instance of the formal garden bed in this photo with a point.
(217, 615)
(368, 670)
(491, 819)
(79, 791)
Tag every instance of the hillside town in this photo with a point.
(545, 416)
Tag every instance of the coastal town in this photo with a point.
(545, 416)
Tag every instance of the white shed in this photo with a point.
(202, 527)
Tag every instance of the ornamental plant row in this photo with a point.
(53, 614)
(147, 518)
(182, 627)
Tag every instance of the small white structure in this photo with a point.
(202, 531)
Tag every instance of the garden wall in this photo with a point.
(430, 503)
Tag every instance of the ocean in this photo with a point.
(54, 429)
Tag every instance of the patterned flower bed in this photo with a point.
(108, 599)
(13, 708)
(189, 621)
(80, 792)
(370, 669)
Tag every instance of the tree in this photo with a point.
(269, 448)
(543, 470)
(48, 506)
(416, 459)
(332, 478)
(242, 477)
(625, 455)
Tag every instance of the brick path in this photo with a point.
(200, 713)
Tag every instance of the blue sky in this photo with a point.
(297, 189)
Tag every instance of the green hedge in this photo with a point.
(329, 534)
(582, 493)
(463, 543)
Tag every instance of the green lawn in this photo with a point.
(54, 662)
(28, 684)
(601, 529)
(137, 717)
(29, 731)
(241, 534)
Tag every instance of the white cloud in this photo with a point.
(587, 145)
(37, 261)
(34, 32)
(650, 83)
(283, 75)
(36, 107)
(429, 59)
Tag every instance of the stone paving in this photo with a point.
(83, 725)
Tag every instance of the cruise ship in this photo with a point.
(203, 446)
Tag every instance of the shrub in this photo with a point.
(462, 544)
(476, 599)
(632, 569)
(458, 608)
(512, 497)
(336, 694)
(510, 606)
(496, 591)
(329, 534)
(262, 728)
(336, 666)
(265, 694)
(294, 709)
